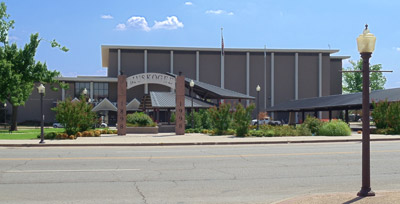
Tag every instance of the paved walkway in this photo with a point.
(190, 139)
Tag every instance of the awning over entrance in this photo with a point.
(133, 105)
(105, 105)
(208, 91)
(167, 100)
(336, 102)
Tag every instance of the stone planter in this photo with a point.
(142, 130)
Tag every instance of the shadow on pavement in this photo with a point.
(353, 200)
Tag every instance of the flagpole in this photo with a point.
(265, 77)
(222, 60)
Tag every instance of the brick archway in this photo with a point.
(177, 83)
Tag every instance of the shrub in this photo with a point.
(242, 119)
(334, 128)
(173, 117)
(140, 119)
(393, 115)
(380, 114)
(97, 133)
(104, 131)
(78, 134)
(302, 130)
(205, 118)
(313, 124)
(75, 116)
(197, 119)
(221, 118)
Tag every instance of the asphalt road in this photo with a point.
(191, 174)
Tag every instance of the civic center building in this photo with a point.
(282, 74)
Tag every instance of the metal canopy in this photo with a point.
(208, 91)
(167, 100)
(336, 102)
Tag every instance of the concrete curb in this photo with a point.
(192, 143)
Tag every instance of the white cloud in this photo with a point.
(188, 3)
(140, 23)
(121, 27)
(218, 12)
(171, 23)
(107, 17)
(398, 49)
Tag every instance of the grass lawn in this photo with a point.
(26, 134)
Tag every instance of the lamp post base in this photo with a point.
(41, 142)
(365, 192)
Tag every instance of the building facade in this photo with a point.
(283, 74)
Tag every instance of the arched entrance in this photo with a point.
(177, 83)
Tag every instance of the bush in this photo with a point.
(380, 114)
(75, 116)
(140, 119)
(302, 130)
(206, 121)
(221, 118)
(242, 119)
(393, 115)
(334, 128)
(173, 117)
(313, 124)
(197, 119)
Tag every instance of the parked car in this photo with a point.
(57, 125)
(266, 121)
(103, 125)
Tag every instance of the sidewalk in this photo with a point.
(170, 139)
(382, 197)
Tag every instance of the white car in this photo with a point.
(264, 121)
(57, 125)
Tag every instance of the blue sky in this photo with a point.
(83, 26)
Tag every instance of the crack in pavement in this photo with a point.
(140, 192)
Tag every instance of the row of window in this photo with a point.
(100, 90)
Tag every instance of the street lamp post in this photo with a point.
(41, 90)
(366, 45)
(258, 89)
(5, 123)
(84, 92)
(191, 95)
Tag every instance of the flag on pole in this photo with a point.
(222, 43)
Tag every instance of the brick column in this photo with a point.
(180, 105)
(121, 105)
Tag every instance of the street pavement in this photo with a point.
(257, 173)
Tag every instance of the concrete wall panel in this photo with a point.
(235, 71)
(210, 68)
(308, 75)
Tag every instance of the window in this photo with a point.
(80, 86)
(100, 89)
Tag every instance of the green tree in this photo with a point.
(352, 81)
(75, 116)
(242, 119)
(18, 67)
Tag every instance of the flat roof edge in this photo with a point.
(340, 57)
(218, 49)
